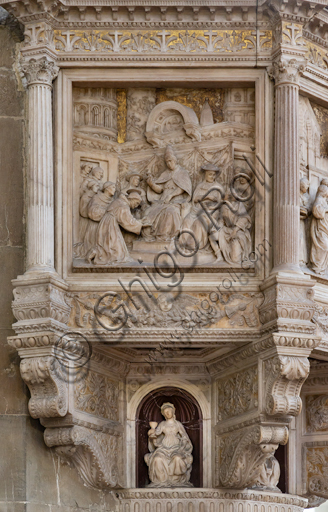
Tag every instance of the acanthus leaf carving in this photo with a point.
(39, 71)
(317, 413)
(96, 455)
(245, 457)
(316, 470)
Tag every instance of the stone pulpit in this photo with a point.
(172, 310)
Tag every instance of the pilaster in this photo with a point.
(39, 74)
(286, 155)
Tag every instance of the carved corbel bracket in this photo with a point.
(45, 378)
(284, 376)
(246, 457)
(94, 454)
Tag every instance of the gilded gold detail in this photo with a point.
(162, 41)
(195, 99)
(121, 115)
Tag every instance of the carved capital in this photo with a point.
(39, 71)
(287, 72)
(46, 381)
(245, 457)
(95, 455)
(284, 377)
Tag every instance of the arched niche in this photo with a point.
(132, 410)
(188, 412)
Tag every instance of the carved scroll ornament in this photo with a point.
(285, 376)
(246, 457)
(95, 455)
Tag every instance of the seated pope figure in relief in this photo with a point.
(170, 458)
(168, 196)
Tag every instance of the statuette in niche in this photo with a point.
(319, 231)
(305, 210)
(170, 459)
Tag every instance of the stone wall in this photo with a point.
(32, 477)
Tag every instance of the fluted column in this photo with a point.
(286, 209)
(39, 75)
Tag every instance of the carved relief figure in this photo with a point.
(134, 179)
(244, 190)
(319, 231)
(110, 247)
(269, 474)
(170, 459)
(96, 209)
(233, 237)
(168, 196)
(305, 210)
(210, 194)
(91, 183)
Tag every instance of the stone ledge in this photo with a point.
(206, 500)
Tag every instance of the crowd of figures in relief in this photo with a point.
(177, 177)
(161, 211)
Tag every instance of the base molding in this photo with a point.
(206, 500)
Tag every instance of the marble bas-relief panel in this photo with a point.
(163, 170)
(187, 312)
(313, 187)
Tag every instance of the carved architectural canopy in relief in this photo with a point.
(178, 237)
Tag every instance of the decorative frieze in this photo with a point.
(205, 500)
(163, 41)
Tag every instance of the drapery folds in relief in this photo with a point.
(170, 459)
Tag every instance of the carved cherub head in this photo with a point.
(165, 302)
(168, 411)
